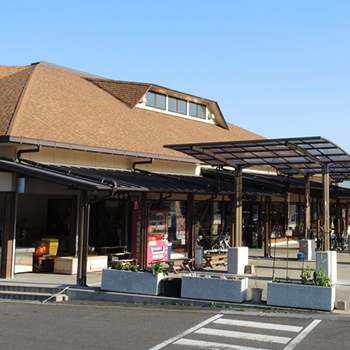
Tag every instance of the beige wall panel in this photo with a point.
(8, 182)
(295, 197)
(59, 156)
(9, 152)
(277, 199)
(35, 186)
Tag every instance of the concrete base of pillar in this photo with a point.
(307, 246)
(237, 259)
(328, 261)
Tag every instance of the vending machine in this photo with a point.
(157, 235)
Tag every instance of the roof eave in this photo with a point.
(94, 149)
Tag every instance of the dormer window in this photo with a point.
(155, 99)
(177, 105)
(197, 110)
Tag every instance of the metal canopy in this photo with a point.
(281, 183)
(147, 181)
(306, 156)
(291, 156)
(40, 171)
(93, 179)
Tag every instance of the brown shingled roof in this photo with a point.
(128, 92)
(62, 106)
(12, 83)
(8, 70)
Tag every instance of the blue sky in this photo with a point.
(279, 68)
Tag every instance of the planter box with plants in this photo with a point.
(129, 279)
(214, 287)
(313, 294)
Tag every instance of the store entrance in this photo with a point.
(252, 225)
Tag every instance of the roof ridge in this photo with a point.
(66, 69)
(107, 80)
(19, 101)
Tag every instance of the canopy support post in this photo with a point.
(238, 206)
(307, 207)
(325, 197)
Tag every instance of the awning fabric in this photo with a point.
(290, 156)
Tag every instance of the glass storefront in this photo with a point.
(108, 224)
(177, 224)
(277, 220)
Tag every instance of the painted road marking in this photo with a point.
(302, 335)
(183, 339)
(212, 345)
(244, 335)
(260, 325)
(183, 334)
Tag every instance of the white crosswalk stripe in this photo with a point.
(212, 345)
(260, 325)
(243, 331)
(244, 335)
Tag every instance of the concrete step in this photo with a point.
(32, 292)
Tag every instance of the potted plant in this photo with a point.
(129, 279)
(221, 287)
(314, 291)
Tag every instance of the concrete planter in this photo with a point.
(301, 296)
(215, 288)
(131, 282)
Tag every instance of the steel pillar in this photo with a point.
(307, 207)
(238, 206)
(325, 207)
(83, 239)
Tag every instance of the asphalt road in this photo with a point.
(103, 325)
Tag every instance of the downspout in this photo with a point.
(152, 201)
(37, 149)
(32, 150)
(150, 161)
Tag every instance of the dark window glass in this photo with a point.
(177, 224)
(193, 109)
(172, 104)
(201, 111)
(178, 105)
(151, 99)
(182, 106)
(160, 101)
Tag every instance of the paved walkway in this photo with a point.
(283, 263)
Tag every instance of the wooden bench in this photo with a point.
(214, 259)
(178, 265)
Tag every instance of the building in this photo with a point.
(79, 154)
